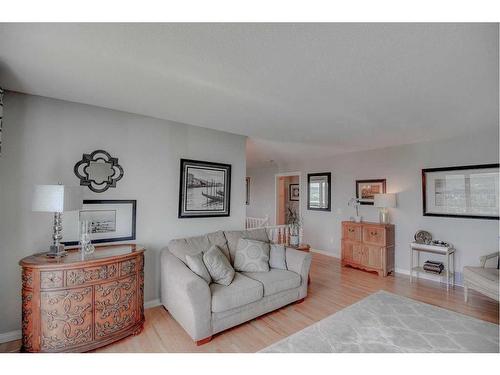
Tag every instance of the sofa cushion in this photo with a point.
(252, 256)
(487, 278)
(242, 291)
(277, 257)
(195, 245)
(218, 266)
(275, 281)
(234, 236)
(196, 264)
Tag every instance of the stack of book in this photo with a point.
(433, 267)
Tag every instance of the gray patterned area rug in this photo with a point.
(385, 322)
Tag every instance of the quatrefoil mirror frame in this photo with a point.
(100, 161)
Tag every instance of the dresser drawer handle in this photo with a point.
(351, 230)
(373, 233)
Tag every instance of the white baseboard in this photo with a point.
(327, 253)
(435, 278)
(10, 336)
(152, 303)
(16, 335)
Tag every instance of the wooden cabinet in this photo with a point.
(369, 246)
(75, 305)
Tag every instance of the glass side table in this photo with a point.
(448, 252)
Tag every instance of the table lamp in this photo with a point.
(384, 201)
(56, 199)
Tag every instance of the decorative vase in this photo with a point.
(358, 219)
(86, 246)
(294, 240)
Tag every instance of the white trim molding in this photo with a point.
(10, 336)
(333, 254)
(152, 303)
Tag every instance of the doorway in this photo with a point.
(288, 195)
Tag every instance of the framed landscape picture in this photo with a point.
(110, 221)
(293, 192)
(465, 191)
(366, 189)
(205, 189)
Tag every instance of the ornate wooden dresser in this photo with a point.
(369, 246)
(72, 304)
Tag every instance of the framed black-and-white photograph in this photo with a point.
(110, 221)
(205, 189)
(466, 191)
(366, 190)
(247, 189)
(293, 192)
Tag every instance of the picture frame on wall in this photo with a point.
(366, 190)
(294, 192)
(205, 189)
(319, 191)
(110, 221)
(247, 190)
(470, 191)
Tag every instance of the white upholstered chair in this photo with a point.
(482, 279)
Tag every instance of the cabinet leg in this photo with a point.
(203, 341)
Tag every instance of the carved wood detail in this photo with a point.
(27, 278)
(27, 319)
(115, 305)
(51, 279)
(88, 275)
(127, 267)
(66, 318)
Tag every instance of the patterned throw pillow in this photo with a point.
(277, 257)
(195, 264)
(251, 256)
(218, 266)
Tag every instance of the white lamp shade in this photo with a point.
(56, 198)
(385, 200)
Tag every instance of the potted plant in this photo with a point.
(295, 223)
(355, 202)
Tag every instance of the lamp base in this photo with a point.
(384, 216)
(56, 251)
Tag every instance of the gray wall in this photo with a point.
(401, 166)
(44, 138)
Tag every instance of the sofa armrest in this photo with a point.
(484, 258)
(186, 296)
(299, 262)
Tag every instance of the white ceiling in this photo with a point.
(320, 89)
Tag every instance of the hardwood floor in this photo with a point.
(332, 288)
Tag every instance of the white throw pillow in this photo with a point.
(195, 264)
(218, 266)
(251, 256)
(277, 257)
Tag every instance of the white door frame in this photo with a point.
(286, 174)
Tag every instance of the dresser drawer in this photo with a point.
(374, 235)
(351, 232)
(90, 275)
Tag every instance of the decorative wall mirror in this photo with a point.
(319, 191)
(99, 171)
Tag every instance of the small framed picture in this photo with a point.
(470, 191)
(366, 189)
(294, 192)
(247, 189)
(110, 221)
(205, 189)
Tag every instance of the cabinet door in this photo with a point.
(357, 253)
(374, 235)
(348, 250)
(374, 256)
(115, 306)
(66, 318)
(351, 232)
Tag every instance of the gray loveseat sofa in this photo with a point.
(204, 310)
